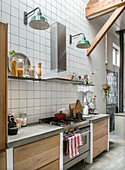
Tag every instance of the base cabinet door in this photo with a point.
(99, 145)
(37, 154)
(100, 137)
(3, 161)
(52, 166)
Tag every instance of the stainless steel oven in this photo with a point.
(83, 150)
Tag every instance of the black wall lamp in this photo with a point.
(82, 43)
(38, 21)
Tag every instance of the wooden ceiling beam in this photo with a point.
(99, 8)
(105, 28)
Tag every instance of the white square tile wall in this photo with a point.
(42, 99)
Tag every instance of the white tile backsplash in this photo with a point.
(42, 99)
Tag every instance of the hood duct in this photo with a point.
(58, 53)
(58, 47)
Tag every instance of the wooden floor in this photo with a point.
(112, 160)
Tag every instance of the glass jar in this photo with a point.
(32, 71)
(24, 117)
(14, 66)
(20, 68)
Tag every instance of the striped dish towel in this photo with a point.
(74, 142)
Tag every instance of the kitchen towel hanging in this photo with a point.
(74, 142)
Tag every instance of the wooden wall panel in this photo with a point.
(3, 84)
(38, 154)
(3, 160)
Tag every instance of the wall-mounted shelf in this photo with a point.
(57, 80)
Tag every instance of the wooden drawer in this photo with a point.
(99, 145)
(38, 154)
(2, 160)
(53, 166)
(100, 129)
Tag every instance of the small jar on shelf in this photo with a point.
(24, 117)
(32, 71)
(20, 67)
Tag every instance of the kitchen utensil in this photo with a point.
(74, 108)
(19, 56)
(71, 108)
(79, 116)
(78, 108)
(76, 111)
(60, 115)
(39, 70)
(78, 105)
(89, 96)
(12, 130)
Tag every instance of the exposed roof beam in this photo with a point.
(94, 10)
(105, 28)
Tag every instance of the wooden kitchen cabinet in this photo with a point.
(3, 160)
(3, 84)
(52, 166)
(100, 137)
(38, 155)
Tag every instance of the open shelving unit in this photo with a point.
(58, 80)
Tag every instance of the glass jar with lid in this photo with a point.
(24, 117)
(32, 71)
(14, 66)
(20, 67)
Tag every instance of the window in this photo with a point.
(115, 55)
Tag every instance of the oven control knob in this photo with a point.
(79, 128)
(71, 131)
(66, 132)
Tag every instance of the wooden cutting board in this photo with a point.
(74, 108)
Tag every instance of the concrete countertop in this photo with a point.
(32, 133)
(120, 114)
(96, 118)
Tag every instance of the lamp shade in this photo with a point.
(39, 22)
(83, 43)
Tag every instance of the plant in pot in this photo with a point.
(105, 90)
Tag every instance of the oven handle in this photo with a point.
(85, 133)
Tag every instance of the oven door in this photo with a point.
(81, 149)
(85, 139)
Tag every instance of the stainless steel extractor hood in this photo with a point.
(58, 70)
(58, 53)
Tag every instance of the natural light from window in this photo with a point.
(115, 55)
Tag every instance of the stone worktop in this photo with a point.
(32, 133)
(95, 117)
(120, 114)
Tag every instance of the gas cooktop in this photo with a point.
(67, 122)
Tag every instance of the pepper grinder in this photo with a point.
(39, 70)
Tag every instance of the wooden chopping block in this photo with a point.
(72, 107)
(76, 111)
(78, 108)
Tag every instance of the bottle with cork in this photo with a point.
(39, 71)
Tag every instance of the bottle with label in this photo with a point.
(86, 79)
(26, 69)
(39, 70)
